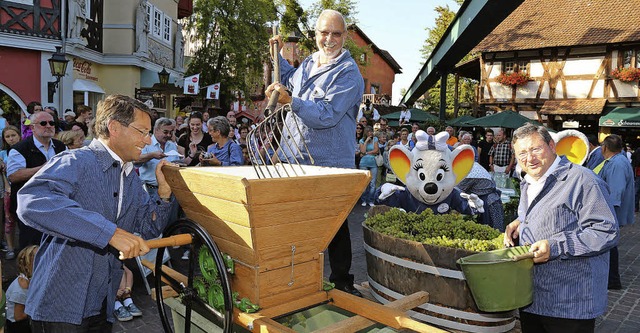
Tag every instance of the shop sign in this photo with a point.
(608, 122)
(625, 123)
(83, 69)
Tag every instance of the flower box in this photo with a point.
(513, 79)
(626, 74)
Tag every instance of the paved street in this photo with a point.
(623, 315)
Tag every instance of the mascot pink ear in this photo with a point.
(400, 161)
(572, 144)
(463, 158)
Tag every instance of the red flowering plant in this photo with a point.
(626, 74)
(513, 79)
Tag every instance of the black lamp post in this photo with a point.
(163, 77)
(58, 66)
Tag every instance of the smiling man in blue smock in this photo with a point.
(326, 91)
(567, 217)
(88, 203)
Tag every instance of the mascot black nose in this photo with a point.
(431, 188)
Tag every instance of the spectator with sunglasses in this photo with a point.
(25, 159)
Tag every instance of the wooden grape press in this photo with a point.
(275, 230)
(272, 220)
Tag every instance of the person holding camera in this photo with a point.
(223, 151)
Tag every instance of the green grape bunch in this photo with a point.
(450, 230)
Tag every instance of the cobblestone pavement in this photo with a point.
(623, 313)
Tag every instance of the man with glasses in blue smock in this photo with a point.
(326, 90)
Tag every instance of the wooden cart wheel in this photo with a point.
(189, 293)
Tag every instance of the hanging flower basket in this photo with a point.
(513, 79)
(626, 74)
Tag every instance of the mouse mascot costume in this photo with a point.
(430, 176)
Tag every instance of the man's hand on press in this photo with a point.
(164, 190)
(283, 97)
(129, 245)
(274, 39)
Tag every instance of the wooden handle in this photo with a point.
(176, 240)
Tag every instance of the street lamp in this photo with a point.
(163, 77)
(58, 66)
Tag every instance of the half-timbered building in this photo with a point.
(565, 63)
(115, 46)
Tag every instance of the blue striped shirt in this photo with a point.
(325, 104)
(73, 200)
(573, 212)
(618, 174)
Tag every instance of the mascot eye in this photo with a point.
(422, 176)
(440, 175)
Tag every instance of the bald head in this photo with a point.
(333, 15)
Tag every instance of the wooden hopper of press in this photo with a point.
(275, 229)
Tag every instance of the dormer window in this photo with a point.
(516, 66)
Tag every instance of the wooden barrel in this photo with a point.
(398, 267)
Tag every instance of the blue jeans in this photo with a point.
(637, 188)
(370, 191)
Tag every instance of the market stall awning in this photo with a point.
(621, 117)
(461, 121)
(86, 85)
(417, 115)
(574, 106)
(506, 119)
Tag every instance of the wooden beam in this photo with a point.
(357, 323)
(167, 270)
(456, 96)
(301, 303)
(167, 292)
(377, 312)
(256, 322)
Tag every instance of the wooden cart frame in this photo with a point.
(275, 230)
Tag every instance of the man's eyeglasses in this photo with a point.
(167, 132)
(50, 122)
(336, 34)
(536, 151)
(144, 134)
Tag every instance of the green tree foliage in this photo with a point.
(295, 20)
(467, 87)
(10, 107)
(232, 39)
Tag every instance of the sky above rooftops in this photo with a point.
(398, 27)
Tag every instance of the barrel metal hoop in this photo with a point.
(450, 273)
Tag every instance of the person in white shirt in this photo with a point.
(368, 111)
(405, 115)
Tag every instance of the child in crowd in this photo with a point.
(125, 310)
(17, 320)
(10, 136)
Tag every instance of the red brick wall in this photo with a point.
(377, 72)
(20, 72)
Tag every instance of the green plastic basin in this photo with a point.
(498, 285)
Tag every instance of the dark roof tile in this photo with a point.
(551, 23)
